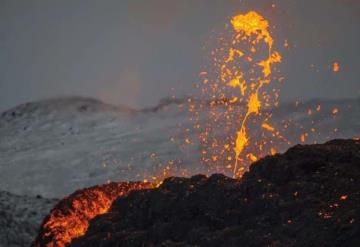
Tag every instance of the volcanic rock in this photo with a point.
(308, 196)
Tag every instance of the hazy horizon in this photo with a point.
(137, 52)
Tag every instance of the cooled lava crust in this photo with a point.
(309, 196)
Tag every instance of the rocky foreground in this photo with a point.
(309, 196)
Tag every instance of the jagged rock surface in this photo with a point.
(308, 196)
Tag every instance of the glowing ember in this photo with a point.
(240, 95)
(336, 67)
(344, 197)
(70, 217)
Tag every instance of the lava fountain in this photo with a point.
(237, 86)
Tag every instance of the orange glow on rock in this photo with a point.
(71, 216)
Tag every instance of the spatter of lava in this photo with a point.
(71, 216)
(237, 86)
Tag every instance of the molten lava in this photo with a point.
(240, 74)
(70, 217)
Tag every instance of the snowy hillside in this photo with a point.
(20, 218)
(56, 146)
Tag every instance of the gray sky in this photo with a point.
(133, 52)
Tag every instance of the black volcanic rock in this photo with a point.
(309, 196)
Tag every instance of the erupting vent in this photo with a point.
(70, 217)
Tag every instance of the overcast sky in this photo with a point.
(133, 52)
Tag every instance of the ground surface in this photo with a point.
(308, 196)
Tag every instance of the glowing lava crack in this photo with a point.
(71, 216)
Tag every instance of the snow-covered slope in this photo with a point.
(56, 146)
(20, 218)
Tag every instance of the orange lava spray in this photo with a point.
(244, 62)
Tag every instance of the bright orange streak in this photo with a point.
(268, 127)
(250, 26)
(302, 138)
(236, 87)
